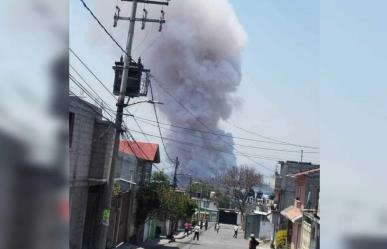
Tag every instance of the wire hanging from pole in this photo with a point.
(158, 124)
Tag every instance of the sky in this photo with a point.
(279, 93)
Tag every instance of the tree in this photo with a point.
(224, 201)
(161, 200)
(239, 182)
(203, 188)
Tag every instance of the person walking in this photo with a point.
(253, 243)
(186, 228)
(236, 231)
(201, 224)
(217, 227)
(206, 224)
(196, 231)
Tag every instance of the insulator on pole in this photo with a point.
(116, 16)
(144, 17)
(161, 20)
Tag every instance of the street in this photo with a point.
(223, 240)
(211, 240)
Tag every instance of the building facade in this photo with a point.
(206, 209)
(91, 147)
(133, 171)
(302, 224)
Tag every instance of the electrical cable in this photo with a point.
(106, 31)
(158, 125)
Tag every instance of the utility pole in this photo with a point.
(104, 216)
(302, 153)
(190, 186)
(175, 174)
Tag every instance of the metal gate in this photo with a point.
(252, 225)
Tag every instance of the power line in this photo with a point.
(72, 78)
(201, 147)
(204, 125)
(104, 86)
(91, 88)
(146, 120)
(134, 140)
(272, 139)
(93, 98)
(103, 27)
(92, 73)
(242, 145)
(158, 124)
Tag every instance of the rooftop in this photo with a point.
(145, 151)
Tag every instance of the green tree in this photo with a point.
(161, 200)
(224, 201)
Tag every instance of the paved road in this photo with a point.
(208, 240)
(211, 240)
(223, 240)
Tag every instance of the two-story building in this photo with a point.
(206, 209)
(133, 171)
(91, 140)
(302, 224)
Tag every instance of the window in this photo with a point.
(71, 127)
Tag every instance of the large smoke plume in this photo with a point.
(198, 59)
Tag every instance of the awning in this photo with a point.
(292, 213)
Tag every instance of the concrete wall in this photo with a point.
(265, 229)
(82, 137)
(78, 204)
(102, 150)
(287, 184)
(90, 157)
(80, 157)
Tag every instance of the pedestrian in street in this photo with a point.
(206, 224)
(186, 228)
(217, 227)
(253, 243)
(196, 231)
(236, 231)
(201, 224)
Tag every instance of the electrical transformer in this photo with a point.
(133, 86)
